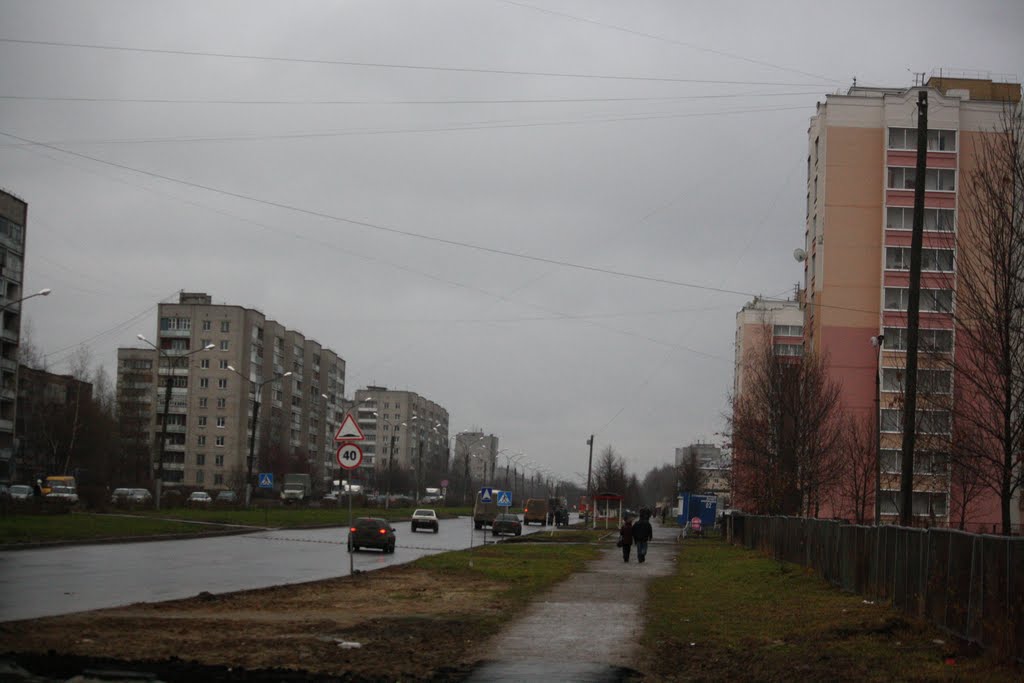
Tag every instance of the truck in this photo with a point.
(536, 510)
(484, 513)
(296, 488)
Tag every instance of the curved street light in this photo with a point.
(42, 292)
(257, 390)
(172, 364)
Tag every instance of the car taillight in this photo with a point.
(352, 529)
(383, 531)
(526, 510)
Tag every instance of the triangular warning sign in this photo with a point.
(349, 430)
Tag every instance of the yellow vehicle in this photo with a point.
(536, 510)
(60, 483)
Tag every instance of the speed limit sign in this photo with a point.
(350, 456)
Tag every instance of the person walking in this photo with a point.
(626, 538)
(642, 533)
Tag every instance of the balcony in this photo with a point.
(8, 364)
(6, 425)
(176, 333)
(176, 429)
(173, 448)
(9, 335)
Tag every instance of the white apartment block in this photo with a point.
(403, 430)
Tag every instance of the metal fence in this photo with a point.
(970, 585)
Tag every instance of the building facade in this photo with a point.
(404, 432)
(476, 453)
(216, 371)
(715, 466)
(782, 319)
(51, 417)
(860, 195)
(13, 221)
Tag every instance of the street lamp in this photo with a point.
(172, 362)
(257, 389)
(391, 455)
(514, 457)
(42, 292)
(877, 342)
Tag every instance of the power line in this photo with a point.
(552, 100)
(396, 65)
(665, 39)
(470, 126)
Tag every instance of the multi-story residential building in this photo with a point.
(714, 465)
(404, 431)
(782, 319)
(251, 359)
(860, 179)
(13, 219)
(52, 411)
(477, 454)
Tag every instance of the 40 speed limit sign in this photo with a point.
(350, 456)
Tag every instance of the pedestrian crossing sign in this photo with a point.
(486, 494)
(504, 499)
(266, 480)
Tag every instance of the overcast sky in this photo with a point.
(329, 163)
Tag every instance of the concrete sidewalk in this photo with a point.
(587, 627)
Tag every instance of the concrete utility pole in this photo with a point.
(590, 494)
(913, 310)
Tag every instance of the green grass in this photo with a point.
(86, 527)
(732, 614)
(285, 516)
(527, 570)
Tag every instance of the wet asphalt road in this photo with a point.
(51, 581)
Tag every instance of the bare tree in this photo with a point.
(989, 360)
(785, 432)
(691, 477)
(661, 483)
(29, 354)
(610, 471)
(856, 488)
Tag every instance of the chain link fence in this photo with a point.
(970, 585)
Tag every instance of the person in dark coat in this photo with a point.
(626, 538)
(642, 533)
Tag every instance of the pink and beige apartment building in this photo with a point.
(860, 179)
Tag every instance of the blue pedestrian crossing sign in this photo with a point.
(486, 494)
(266, 480)
(504, 499)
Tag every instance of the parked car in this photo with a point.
(62, 494)
(227, 498)
(199, 499)
(507, 523)
(371, 532)
(424, 519)
(21, 492)
(126, 496)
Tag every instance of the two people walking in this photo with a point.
(639, 533)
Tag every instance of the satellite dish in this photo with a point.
(800, 255)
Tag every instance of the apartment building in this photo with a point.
(860, 179)
(403, 431)
(782, 319)
(714, 464)
(213, 364)
(13, 220)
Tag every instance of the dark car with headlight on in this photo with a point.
(507, 523)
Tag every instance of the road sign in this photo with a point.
(350, 456)
(444, 483)
(486, 494)
(266, 480)
(695, 523)
(349, 430)
(504, 499)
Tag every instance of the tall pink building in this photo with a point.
(860, 178)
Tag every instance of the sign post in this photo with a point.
(350, 457)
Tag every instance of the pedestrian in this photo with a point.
(664, 514)
(626, 538)
(642, 533)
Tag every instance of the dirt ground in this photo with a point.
(397, 623)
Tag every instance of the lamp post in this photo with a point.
(877, 342)
(514, 457)
(257, 389)
(42, 292)
(172, 362)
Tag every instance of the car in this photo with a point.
(21, 492)
(126, 496)
(507, 523)
(199, 498)
(227, 498)
(120, 496)
(371, 532)
(62, 494)
(424, 519)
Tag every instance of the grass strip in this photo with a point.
(16, 529)
(732, 614)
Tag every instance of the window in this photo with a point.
(199, 476)
(201, 440)
(928, 421)
(219, 441)
(218, 460)
(202, 402)
(204, 382)
(222, 403)
(788, 331)
(929, 381)
(221, 422)
(933, 340)
(206, 326)
(183, 324)
(789, 350)
(202, 420)
(222, 383)
(901, 178)
(200, 459)
(941, 179)
(206, 342)
(932, 300)
(938, 140)
(218, 479)
(224, 364)
(223, 344)
(204, 363)
(225, 325)
(934, 260)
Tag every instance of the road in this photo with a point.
(51, 581)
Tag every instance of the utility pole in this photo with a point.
(590, 494)
(913, 310)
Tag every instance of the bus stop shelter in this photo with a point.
(608, 508)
